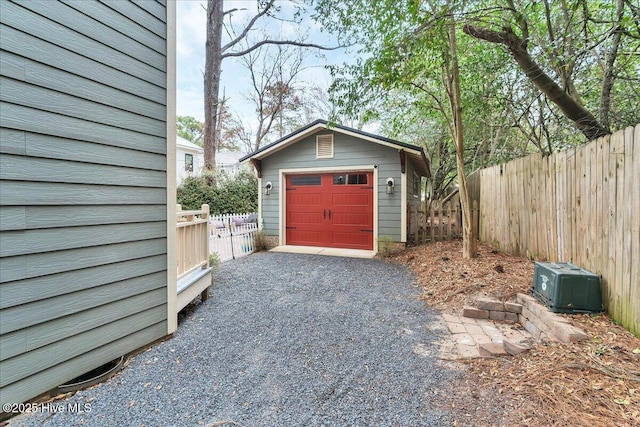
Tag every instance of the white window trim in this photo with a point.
(282, 202)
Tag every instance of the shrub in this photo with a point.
(214, 262)
(237, 194)
(260, 241)
(387, 246)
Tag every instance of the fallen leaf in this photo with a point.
(133, 402)
(636, 351)
(622, 401)
(159, 387)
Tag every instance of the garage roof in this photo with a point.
(415, 154)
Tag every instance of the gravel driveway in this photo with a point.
(284, 340)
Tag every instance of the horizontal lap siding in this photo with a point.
(348, 151)
(83, 255)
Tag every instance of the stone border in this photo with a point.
(541, 323)
(533, 316)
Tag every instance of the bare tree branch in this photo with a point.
(248, 27)
(230, 11)
(609, 77)
(277, 42)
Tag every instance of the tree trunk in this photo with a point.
(608, 79)
(469, 239)
(213, 62)
(218, 128)
(572, 109)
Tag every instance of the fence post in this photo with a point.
(449, 221)
(424, 222)
(179, 244)
(432, 225)
(475, 220)
(205, 216)
(440, 225)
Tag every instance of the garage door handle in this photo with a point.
(329, 213)
(324, 214)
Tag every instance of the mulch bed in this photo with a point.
(591, 383)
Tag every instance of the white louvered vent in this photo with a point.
(324, 147)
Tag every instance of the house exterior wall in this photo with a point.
(83, 187)
(198, 163)
(348, 151)
(228, 162)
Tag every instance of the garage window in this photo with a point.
(306, 180)
(357, 179)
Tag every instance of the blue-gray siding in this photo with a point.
(83, 223)
(348, 151)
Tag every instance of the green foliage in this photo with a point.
(237, 194)
(387, 246)
(403, 48)
(190, 129)
(214, 262)
(260, 241)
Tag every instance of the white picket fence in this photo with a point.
(230, 236)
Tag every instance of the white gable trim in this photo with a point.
(321, 126)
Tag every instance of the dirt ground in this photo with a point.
(591, 383)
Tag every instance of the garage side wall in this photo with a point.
(83, 187)
(414, 194)
(348, 151)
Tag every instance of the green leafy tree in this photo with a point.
(564, 48)
(190, 129)
(575, 66)
(530, 73)
(411, 47)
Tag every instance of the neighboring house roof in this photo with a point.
(188, 145)
(415, 154)
(228, 157)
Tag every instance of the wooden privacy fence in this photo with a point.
(442, 221)
(231, 235)
(581, 205)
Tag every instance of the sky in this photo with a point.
(190, 53)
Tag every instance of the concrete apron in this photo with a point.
(315, 250)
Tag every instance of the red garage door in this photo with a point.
(330, 210)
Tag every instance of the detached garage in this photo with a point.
(337, 187)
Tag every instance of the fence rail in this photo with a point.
(191, 239)
(442, 221)
(231, 235)
(581, 205)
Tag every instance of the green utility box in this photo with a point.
(565, 288)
